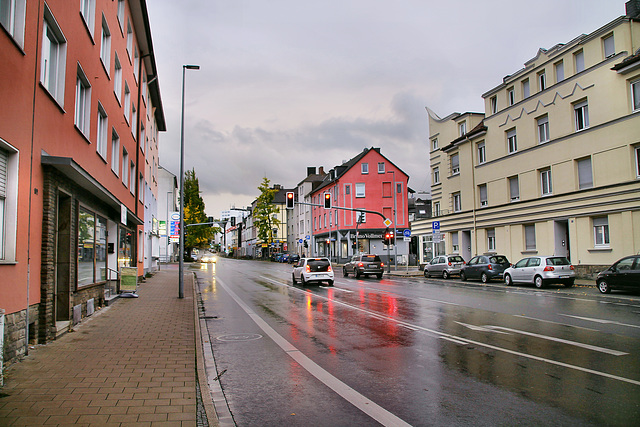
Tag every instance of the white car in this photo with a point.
(312, 270)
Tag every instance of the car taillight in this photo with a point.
(572, 267)
(329, 269)
(308, 269)
(489, 267)
(382, 264)
(450, 264)
(549, 268)
(360, 264)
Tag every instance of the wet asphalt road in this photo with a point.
(418, 351)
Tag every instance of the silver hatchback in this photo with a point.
(541, 270)
(444, 265)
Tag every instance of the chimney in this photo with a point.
(321, 172)
(632, 8)
(311, 170)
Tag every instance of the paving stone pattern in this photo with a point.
(133, 363)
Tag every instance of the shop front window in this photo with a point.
(92, 248)
(125, 248)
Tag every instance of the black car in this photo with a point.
(623, 274)
(365, 264)
(294, 258)
(485, 267)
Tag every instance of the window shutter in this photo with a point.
(585, 176)
(4, 160)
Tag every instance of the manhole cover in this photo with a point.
(239, 337)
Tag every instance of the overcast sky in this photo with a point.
(286, 84)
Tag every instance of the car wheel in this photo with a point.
(569, 283)
(345, 273)
(302, 281)
(507, 280)
(330, 282)
(426, 273)
(293, 278)
(445, 274)
(379, 276)
(538, 282)
(604, 287)
(357, 274)
(484, 278)
(463, 276)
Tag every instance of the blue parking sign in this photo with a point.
(435, 225)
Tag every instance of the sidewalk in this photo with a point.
(132, 363)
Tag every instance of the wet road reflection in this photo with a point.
(431, 354)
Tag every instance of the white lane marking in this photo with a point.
(604, 321)
(481, 328)
(556, 323)
(337, 289)
(455, 338)
(560, 340)
(366, 405)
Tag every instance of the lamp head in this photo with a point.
(191, 67)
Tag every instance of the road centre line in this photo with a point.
(480, 344)
(366, 405)
(556, 323)
(604, 321)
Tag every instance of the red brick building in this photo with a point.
(369, 181)
(78, 135)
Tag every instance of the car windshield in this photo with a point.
(371, 258)
(557, 261)
(318, 264)
(499, 259)
(456, 259)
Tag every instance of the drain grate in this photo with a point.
(239, 337)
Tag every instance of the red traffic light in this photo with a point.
(290, 200)
(327, 200)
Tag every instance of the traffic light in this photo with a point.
(306, 245)
(290, 200)
(392, 238)
(386, 237)
(327, 200)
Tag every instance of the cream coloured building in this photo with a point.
(553, 165)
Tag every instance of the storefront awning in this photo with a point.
(69, 168)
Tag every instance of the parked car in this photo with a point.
(485, 267)
(284, 258)
(444, 265)
(312, 270)
(541, 270)
(364, 265)
(208, 257)
(276, 256)
(623, 274)
(294, 258)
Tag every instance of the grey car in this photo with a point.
(364, 264)
(444, 266)
(485, 267)
(541, 270)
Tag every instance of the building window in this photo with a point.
(132, 177)
(436, 209)
(115, 151)
(364, 168)
(83, 102)
(578, 58)
(585, 174)
(347, 190)
(127, 101)
(542, 81)
(12, 18)
(361, 217)
(581, 111)
(635, 95)
(399, 187)
(455, 164)
(129, 39)
(491, 239)
(105, 45)
(526, 90)
(601, 231)
(637, 150)
(54, 58)
(530, 237)
(134, 120)
(608, 46)
(92, 248)
(87, 10)
(494, 104)
(117, 77)
(386, 189)
(136, 63)
(8, 201)
(142, 137)
(457, 202)
(545, 182)
(543, 129)
(514, 189)
(101, 138)
(360, 187)
(434, 144)
(436, 175)
(512, 142)
(462, 128)
(559, 67)
(482, 192)
(125, 167)
(482, 154)
(455, 246)
(511, 96)
(380, 167)
(140, 188)
(121, 14)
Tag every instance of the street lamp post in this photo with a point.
(181, 254)
(395, 221)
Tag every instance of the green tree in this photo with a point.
(264, 214)
(197, 236)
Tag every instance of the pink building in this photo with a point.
(79, 122)
(368, 182)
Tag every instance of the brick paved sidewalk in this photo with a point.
(131, 363)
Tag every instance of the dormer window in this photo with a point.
(462, 127)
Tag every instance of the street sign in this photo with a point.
(407, 232)
(407, 239)
(435, 225)
(387, 222)
(437, 237)
(307, 237)
(299, 240)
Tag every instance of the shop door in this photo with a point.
(64, 257)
